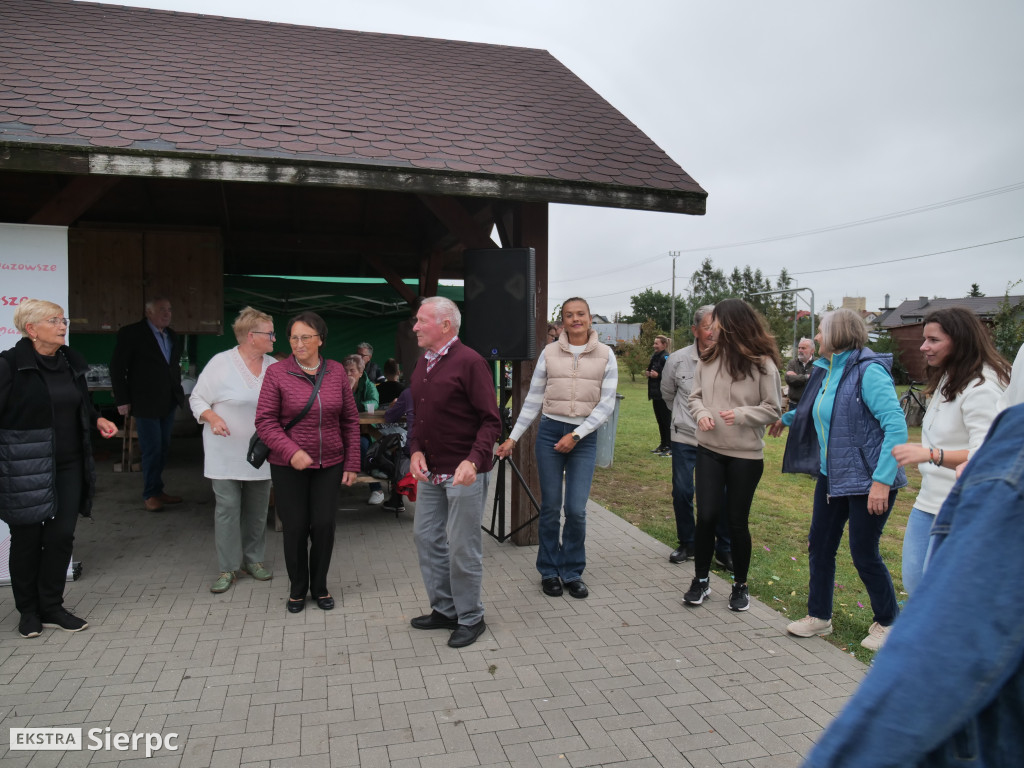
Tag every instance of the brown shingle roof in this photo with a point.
(111, 78)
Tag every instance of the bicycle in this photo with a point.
(913, 404)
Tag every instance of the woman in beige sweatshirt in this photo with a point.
(736, 394)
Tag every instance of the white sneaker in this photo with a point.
(809, 626)
(377, 497)
(876, 636)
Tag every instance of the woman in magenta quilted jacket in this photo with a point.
(311, 460)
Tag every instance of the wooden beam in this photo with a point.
(394, 280)
(460, 222)
(77, 196)
(430, 273)
(180, 165)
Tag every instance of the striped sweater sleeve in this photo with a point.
(534, 399)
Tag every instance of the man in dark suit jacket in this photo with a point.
(146, 377)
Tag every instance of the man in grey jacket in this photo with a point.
(676, 382)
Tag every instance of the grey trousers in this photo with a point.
(240, 521)
(449, 541)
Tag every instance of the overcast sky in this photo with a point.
(794, 116)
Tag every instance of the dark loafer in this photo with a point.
(325, 603)
(466, 634)
(724, 559)
(681, 555)
(434, 620)
(552, 586)
(296, 606)
(577, 589)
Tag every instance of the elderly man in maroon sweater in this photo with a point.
(452, 446)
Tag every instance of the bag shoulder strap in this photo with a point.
(316, 389)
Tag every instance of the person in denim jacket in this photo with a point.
(948, 688)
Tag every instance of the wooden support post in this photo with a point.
(529, 230)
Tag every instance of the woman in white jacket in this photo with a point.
(966, 376)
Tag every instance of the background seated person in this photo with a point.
(391, 388)
(365, 394)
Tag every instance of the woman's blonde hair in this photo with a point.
(247, 321)
(843, 329)
(35, 311)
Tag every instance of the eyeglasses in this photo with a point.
(271, 334)
(366, 357)
(58, 321)
(303, 339)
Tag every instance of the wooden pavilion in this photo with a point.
(180, 147)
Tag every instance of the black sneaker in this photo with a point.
(659, 449)
(740, 598)
(700, 590)
(61, 619)
(30, 625)
(394, 504)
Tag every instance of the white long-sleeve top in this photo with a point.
(228, 387)
(535, 398)
(955, 426)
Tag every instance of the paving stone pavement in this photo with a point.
(628, 676)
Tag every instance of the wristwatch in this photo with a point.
(576, 438)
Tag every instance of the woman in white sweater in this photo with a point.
(224, 399)
(736, 393)
(966, 376)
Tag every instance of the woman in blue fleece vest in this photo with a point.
(843, 432)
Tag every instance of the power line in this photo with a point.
(650, 284)
(831, 228)
(906, 258)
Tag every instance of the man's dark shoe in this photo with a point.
(167, 498)
(61, 619)
(552, 586)
(724, 559)
(466, 634)
(296, 606)
(682, 554)
(434, 620)
(30, 625)
(577, 589)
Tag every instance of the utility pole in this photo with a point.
(672, 330)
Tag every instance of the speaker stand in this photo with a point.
(497, 529)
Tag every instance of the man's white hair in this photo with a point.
(445, 309)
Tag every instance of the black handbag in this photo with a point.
(258, 450)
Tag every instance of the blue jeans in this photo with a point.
(828, 520)
(449, 542)
(684, 459)
(568, 558)
(154, 443)
(915, 548)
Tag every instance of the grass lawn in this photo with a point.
(638, 488)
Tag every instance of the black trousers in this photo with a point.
(729, 483)
(663, 414)
(41, 552)
(307, 503)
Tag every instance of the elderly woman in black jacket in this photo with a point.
(47, 476)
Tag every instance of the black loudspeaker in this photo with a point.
(500, 303)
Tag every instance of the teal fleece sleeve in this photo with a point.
(879, 395)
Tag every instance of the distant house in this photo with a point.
(905, 323)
